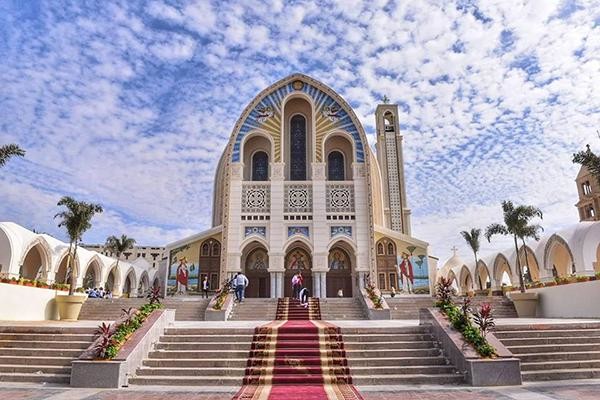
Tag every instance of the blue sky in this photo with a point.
(129, 104)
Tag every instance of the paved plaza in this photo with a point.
(560, 390)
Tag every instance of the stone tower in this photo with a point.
(589, 196)
(391, 163)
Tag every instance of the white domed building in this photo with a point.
(298, 188)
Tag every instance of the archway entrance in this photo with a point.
(62, 274)
(297, 260)
(33, 265)
(90, 279)
(339, 276)
(210, 264)
(256, 267)
(559, 259)
(482, 277)
(129, 286)
(112, 281)
(466, 282)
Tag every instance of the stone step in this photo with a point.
(64, 337)
(559, 356)
(550, 341)
(192, 371)
(206, 338)
(376, 330)
(46, 330)
(561, 374)
(570, 326)
(218, 363)
(29, 344)
(406, 379)
(396, 361)
(209, 331)
(553, 365)
(386, 337)
(501, 334)
(299, 353)
(553, 348)
(358, 372)
(16, 360)
(35, 377)
(26, 352)
(168, 380)
(35, 369)
(193, 346)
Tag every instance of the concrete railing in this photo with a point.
(40, 304)
(573, 300)
(371, 310)
(223, 313)
(116, 372)
(504, 370)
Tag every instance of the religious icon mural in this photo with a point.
(413, 272)
(257, 260)
(338, 260)
(298, 261)
(184, 270)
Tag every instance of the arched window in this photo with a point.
(391, 249)
(205, 249)
(216, 250)
(335, 166)
(298, 148)
(380, 248)
(260, 166)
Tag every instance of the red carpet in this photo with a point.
(297, 357)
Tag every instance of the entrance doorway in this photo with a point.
(259, 279)
(297, 260)
(339, 276)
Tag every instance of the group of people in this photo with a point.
(299, 290)
(98, 293)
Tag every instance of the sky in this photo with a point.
(129, 104)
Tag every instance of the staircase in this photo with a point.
(502, 307)
(554, 351)
(397, 356)
(197, 357)
(41, 354)
(254, 310)
(187, 309)
(348, 308)
(407, 306)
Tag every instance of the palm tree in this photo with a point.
(530, 232)
(10, 150)
(472, 239)
(589, 160)
(76, 219)
(118, 245)
(516, 221)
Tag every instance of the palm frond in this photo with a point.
(589, 160)
(495, 229)
(472, 238)
(10, 150)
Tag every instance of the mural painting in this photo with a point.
(184, 270)
(413, 272)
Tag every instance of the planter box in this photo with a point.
(504, 370)
(525, 303)
(116, 372)
(369, 307)
(69, 306)
(219, 315)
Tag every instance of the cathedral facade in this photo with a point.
(299, 189)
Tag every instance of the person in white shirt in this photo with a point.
(241, 282)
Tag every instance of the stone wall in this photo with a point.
(575, 300)
(25, 303)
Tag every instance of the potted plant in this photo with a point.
(13, 281)
(516, 224)
(76, 219)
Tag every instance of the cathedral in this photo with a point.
(299, 189)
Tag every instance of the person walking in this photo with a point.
(295, 287)
(241, 282)
(304, 297)
(300, 283)
(205, 286)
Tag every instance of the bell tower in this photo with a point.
(391, 163)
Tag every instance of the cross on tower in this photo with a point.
(454, 249)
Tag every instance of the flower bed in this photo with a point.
(561, 281)
(374, 296)
(33, 283)
(461, 319)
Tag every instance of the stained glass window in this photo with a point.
(335, 166)
(391, 249)
(260, 166)
(298, 148)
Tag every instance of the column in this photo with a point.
(323, 284)
(273, 276)
(316, 285)
(280, 284)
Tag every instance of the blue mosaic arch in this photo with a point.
(329, 115)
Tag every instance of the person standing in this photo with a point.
(304, 297)
(241, 282)
(205, 286)
(295, 286)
